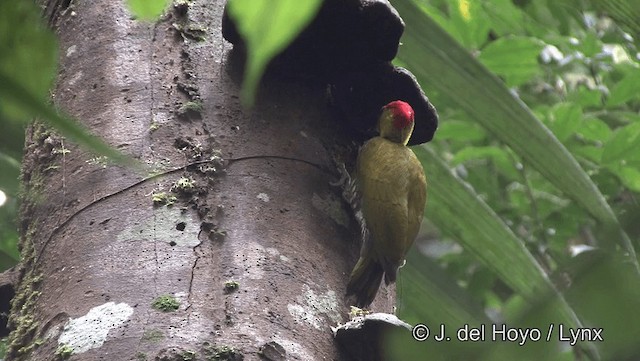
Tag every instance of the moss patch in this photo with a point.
(165, 303)
(230, 286)
(63, 352)
(188, 355)
(184, 185)
(22, 320)
(221, 353)
(163, 199)
(152, 336)
(41, 152)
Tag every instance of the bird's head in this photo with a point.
(396, 122)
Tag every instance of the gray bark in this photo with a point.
(98, 252)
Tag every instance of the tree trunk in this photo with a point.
(253, 257)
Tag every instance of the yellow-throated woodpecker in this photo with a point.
(393, 190)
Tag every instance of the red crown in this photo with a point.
(402, 113)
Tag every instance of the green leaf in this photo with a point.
(585, 97)
(268, 27)
(564, 119)
(439, 62)
(12, 137)
(505, 17)
(423, 282)
(29, 104)
(590, 45)
(594, 129)
(470, 22)
(7, 259)
(626, 89)
(546, 203)
(28, 55)
(9, 254)
(10, 174)
(591, 153)
(148, 9)
(623, 146)
(630, 177)
(609, 305)
(461, 131)
(513, 58)
(498, 155)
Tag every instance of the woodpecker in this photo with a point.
(392, 187)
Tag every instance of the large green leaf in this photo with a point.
(28, 53)
(423, 282)
(13, 92)
(27, 68)
(439, 62)
(9, 174)
(611, 306)
(458, 211)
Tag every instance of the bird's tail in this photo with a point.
(365, 280)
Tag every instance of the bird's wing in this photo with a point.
(417, 197)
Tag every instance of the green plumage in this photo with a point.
(392, 188)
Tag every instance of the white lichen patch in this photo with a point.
(263, 197)
(71, 50)
(295, 349)
(275, 253)
(284, 258)
(310, 306)
(304, 315)
(326, 303)
(181, 297)
(332, 207)
(272, 251)
(90, 331)
(75, 78)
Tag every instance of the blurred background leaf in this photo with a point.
(267, 27)
(28, 56)
(28, 53)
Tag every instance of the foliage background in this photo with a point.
(533, 174)
(568, 193)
